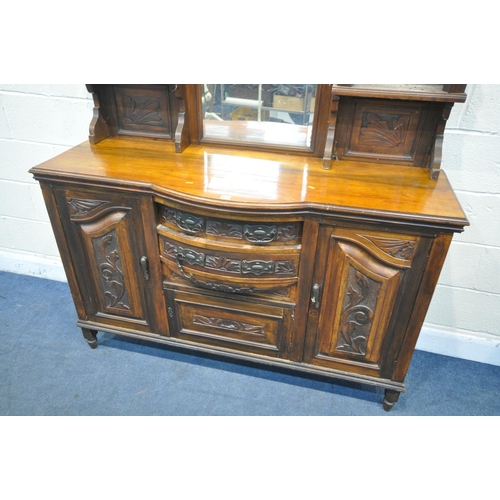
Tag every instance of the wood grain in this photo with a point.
(230, 179)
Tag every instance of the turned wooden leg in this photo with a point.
(391, 398)
(90, 337)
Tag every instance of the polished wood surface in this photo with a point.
(429, 92)
(229, 179)
(254, 254)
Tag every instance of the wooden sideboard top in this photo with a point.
(226, 178)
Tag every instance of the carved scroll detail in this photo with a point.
(82, 207)
(379, 129)
(168, 215)
(437, 150)
(402, 249)
(287, 233)
(142, 110)
(223, 264)
(284, 267)
(112, 280)
(357, 313)
(225, 229)
(228, 324)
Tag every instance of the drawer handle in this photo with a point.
(189, 223)
(190, 256)
(208, 285)
(260, 233)
(257, 267)
(315, 295)
(145, 267)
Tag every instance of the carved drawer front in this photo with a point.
(234, 231)
(228, 323)
(377, 129)
(361, 275)
(222, 267)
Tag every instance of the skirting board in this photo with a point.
(483, 348)
(455, 343)
(30, 264)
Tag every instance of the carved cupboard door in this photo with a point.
(106, 239)
(357, 299)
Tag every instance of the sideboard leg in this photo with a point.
(391, 398)
(90, 337)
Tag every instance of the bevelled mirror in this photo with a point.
(262, 114)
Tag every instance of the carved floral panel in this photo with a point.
(110, 272)
(358, 310)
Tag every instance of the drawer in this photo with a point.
(257, 232)
(229, 324)
(226, 260)
(233, 269)
(222, 262)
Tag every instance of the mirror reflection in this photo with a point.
(270, 114)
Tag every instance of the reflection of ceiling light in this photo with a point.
(241, 177)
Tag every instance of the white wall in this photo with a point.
(37, 122)
(464, 317)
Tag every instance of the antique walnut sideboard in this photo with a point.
(319, 256)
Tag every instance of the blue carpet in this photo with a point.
(47, 368)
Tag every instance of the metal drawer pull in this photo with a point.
(257, 267)
(259, 233)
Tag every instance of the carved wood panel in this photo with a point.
(383, 130)
(380, 129)
(229, 263)
(105, 239)
(360, 283)
(260, 234)
(228, 323)
(358, 310)
(143, 110)
(107, 256)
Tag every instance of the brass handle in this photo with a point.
(315, 295)
(145, 267)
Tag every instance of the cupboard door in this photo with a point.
(359, 278)
(107, 245)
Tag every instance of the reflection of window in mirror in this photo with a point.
(264, 114)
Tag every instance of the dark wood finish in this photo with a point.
(398, 124)
(255, 255)
(390, 399)
(429, 92)
(331, 145)
(360, 275)
(102, 230)
(140, 110)
(91, 337)
(230, 323)
(382, 130)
